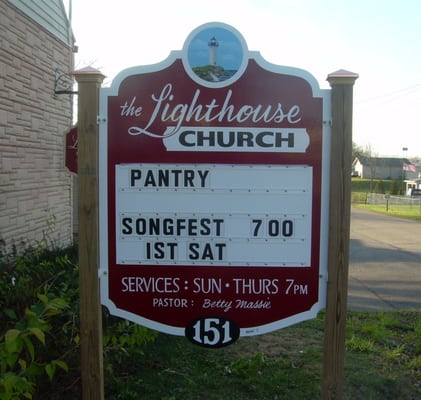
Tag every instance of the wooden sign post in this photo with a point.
(339, 226)
(89, 81)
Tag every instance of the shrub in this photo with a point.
(38, 305)
(379, 187)
(39, 334)
(395, 187)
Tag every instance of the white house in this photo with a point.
(413, 178)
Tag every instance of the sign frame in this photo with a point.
(323, 195)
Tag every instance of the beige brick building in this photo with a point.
(35, 187)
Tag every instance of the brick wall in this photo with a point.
(35, 187)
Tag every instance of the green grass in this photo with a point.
(404, 211)
(383, 362)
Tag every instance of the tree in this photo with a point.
(357, 150)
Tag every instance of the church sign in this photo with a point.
(213, 192)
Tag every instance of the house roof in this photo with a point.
(50, 14)
(382, 161)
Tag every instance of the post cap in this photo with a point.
(88, 73)
(342, 77)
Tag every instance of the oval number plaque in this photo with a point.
(212, 332)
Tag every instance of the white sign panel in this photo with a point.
(230, 215)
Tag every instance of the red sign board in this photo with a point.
(71, 150)
(212, 196)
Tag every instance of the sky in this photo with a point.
(378, 39)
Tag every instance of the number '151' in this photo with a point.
(212, 332)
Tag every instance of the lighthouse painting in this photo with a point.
(213, 47)
(215, 54)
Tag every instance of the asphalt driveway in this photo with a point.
(385, 262)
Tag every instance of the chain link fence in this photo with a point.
(389, 202)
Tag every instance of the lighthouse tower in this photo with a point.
(213, 46)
